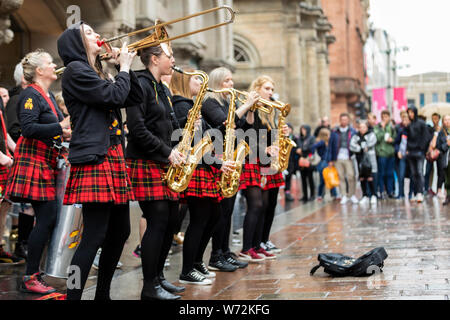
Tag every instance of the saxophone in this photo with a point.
(178, 178)
(285, 144)
(229, 183)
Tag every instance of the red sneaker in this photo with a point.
(266, 254)
(35, 284)
(251, 256)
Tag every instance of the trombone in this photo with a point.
(160, 35)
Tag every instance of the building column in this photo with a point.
(311, 110)
(324, 85)
(294, 79)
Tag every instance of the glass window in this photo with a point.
(422, 99)
(240, 55)
(435, 97)
(447, 97)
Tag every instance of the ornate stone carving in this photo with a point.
(7, 7)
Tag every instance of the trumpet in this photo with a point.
(264, 105)
(160, 34)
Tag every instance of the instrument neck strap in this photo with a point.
(5, 134)
(46, 97)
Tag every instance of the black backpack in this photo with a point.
(339, 265)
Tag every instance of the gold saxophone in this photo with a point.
(285, 144)
(229, 182)
(178, 178)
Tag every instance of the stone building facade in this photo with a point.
(426, 88)
(287, 40)
(350, 27)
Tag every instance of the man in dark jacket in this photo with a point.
(417, 145)
(339, 155)
(12, 122)
(442, 144)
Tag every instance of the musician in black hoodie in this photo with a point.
(417, 144)
(98, 178)
(149, 153)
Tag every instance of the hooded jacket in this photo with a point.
(152, 123)
(93, 103)
(418, 135)
(335, 142)
(12, 122)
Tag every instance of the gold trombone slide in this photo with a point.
(160, 34)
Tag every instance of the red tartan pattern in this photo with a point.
(146, 179)
(274, 181)
(3, 180)
(100, 183)
(33, 174)
(204, 184)
(250, 176)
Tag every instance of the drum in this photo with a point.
(68, 230)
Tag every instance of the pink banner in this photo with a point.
(378, 102)
(400, 103)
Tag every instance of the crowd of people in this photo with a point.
(379, 155)
(112, 164)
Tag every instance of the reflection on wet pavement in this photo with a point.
(415, 236)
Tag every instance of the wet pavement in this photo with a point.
(415, 236)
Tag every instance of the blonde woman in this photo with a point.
(261, 187)
(32, 176)
(215, 112)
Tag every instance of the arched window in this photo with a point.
(240, 55)
(245, 54)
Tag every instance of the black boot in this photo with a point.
(168, 286)
(21, 249)
(152, 290)
(447, 200)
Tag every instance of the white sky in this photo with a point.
(421, 25)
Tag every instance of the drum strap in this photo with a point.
(5, 134)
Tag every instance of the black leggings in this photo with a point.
(270, 199)
(221, 235)
(46, 213)
(204, 214)
(366, 182)
(254, 213)
(307, 176)
(162, 218)
(262, 232)
(104, 225)
(182, 210)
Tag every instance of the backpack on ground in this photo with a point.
(338, 265)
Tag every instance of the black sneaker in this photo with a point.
(137, 251)
(21, 250)
(203, 270)
(8, 258)
(194, 277)
(221, 264)
(288, 197)
(230, 257)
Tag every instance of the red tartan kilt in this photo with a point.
(204, 184)
(3, 180)
(100, 183)
(250, 176)
(274, 181)
(33, 174)
(146, 179)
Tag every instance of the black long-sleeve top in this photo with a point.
(36, 118)
(216, 113)
(93, 103)
(151, 124)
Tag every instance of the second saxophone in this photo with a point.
(178, 178)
